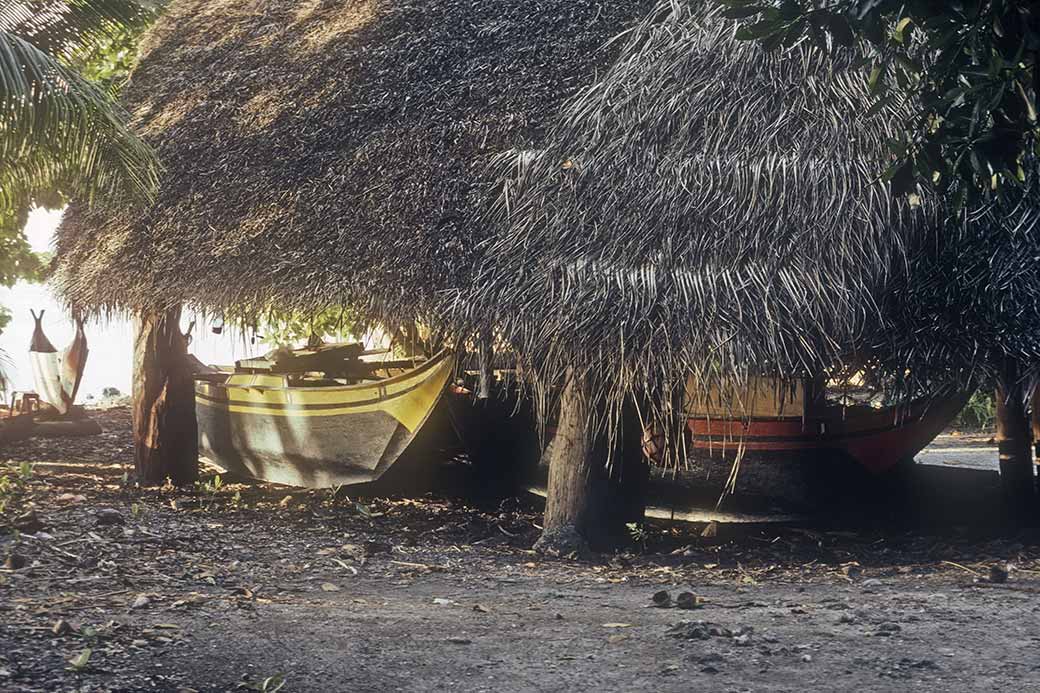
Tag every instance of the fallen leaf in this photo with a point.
(617, 625)
(329, 587)
(80, 661)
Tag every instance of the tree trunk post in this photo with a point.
(576, 490)
(1014, 441)
(166, 440)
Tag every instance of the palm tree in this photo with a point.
(59, 132)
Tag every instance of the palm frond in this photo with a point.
(69, 29)
(59, 130)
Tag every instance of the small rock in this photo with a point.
(998, 573)
(742, 640)
(108, 516)
(374, 547)
(698, 630)
(806, 657)
(139, 643)
(871, 582)
(688, 600)
(61, 627)
(441, 601)
(888, 628)
(460, 641)
(709, 670)
(329, 587)
(140, 601)
(847, 618)
(662, 599)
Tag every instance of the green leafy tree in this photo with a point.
(62, 134)
(964, 72)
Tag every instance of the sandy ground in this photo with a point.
(217, 588)
(955, 449)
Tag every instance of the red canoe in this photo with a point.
(877, 438)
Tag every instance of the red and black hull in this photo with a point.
(877, 439)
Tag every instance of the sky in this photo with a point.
(110, 362)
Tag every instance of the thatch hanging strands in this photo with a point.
(972, 298)
(325, 153)
(705, 208)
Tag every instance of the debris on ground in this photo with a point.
(119, 588)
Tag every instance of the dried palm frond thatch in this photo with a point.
(328, 152)
(705, 208)
(971, 301)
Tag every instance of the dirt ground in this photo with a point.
(217, 588)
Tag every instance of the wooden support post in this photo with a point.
(485, 358)
(1014, 441)
(166, 444)
(1034, 414)
(576, 491)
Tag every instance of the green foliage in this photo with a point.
(638, 533)
(979, 413)
(13, 485)
(80, 661)
(61, 134)
(281, 328)
(965, 72)
(110, 63)
(211, 487)
(271, 684)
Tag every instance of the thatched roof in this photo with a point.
(705, 207)
(328, 152)
(971, 299)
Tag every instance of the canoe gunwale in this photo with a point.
(413, 373)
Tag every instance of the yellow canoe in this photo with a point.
(275, 427)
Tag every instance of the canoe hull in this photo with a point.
(316, 437)
(877, 440)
